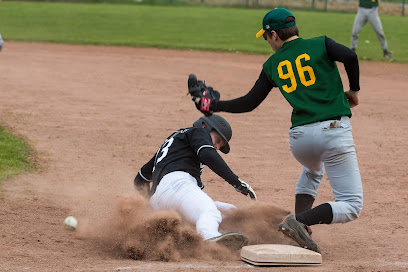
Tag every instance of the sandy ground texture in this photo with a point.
(95, 115)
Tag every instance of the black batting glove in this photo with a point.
(245, 188)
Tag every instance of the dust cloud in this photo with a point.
(259, 221)
(136, 231)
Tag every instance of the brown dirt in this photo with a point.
(95, 115)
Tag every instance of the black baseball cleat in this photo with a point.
(296, 230)
(387, 54)
(231, 240)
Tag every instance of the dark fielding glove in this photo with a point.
(205, 98)
(246, 189)
(142, 185)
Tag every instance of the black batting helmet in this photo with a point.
(220, 125)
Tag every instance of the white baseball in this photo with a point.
(70, 223)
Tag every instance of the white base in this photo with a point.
(283, 255)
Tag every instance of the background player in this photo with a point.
(175, 170)
(1, 42)
(367, 11)
(320, 136)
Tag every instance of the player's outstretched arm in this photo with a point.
(207, 100)
(216, 163)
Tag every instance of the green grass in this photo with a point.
(200, 28)
(14, 156)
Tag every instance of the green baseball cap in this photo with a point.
(274, 20)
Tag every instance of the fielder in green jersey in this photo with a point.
(298, 82)
(320, 136)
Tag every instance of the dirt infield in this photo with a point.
(96, 114)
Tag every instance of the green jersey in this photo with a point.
(368, 3)
(308, 80)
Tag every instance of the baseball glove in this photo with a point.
(205, 98)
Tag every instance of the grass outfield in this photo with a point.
(14, 156)
(199, 28)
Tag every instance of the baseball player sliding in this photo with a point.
(175, 170)
(306, 74)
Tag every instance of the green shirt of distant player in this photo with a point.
(368, 3)
(308, 80)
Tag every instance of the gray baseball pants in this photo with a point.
(319, 147)
(370, 15)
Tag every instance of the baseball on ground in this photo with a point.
(70, 223)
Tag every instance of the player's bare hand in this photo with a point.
(246, 189)
(352, 97)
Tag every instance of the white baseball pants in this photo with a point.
(179, 191)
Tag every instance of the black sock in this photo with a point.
(322, 214)
(303, 203)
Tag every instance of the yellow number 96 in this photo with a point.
(301, 72)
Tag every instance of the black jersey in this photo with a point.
(179, 152)
(187, 150)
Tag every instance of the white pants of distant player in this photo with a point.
(179, 191)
